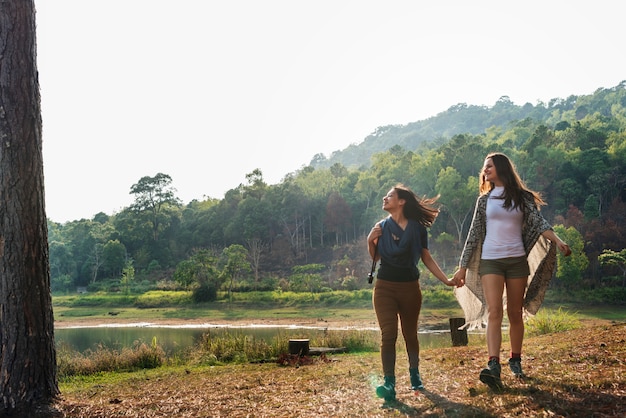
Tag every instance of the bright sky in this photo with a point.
(207, 91)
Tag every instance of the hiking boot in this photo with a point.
(515, 364)
(416, 379)
(387, 390)
(491, 375)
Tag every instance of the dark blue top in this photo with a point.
(401, 250)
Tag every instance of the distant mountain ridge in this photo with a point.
(464, 119)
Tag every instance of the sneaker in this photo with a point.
(387, 390)
(491, 375)
(416, 379)
(516, 367)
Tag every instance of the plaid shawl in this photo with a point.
(541, 254)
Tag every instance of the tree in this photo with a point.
(367, 186)
(570, 269)
(338, 215)
(236, 263)
(128, 276)
(307, 278)
(86, 240)
(153, 195)
(255, 252)
(28, 376)
(62, 264)
(96, 261)
(291, 218)
(256, 185)
(425, 170)
(614, 258)
(199, 269)
(114, 257)
(457, 196)
(185, 273)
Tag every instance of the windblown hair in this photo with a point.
(514, 187)
(421, 210)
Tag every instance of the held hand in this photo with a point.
(459, 277)
(452, 282)
(458, 282)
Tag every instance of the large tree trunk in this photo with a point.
(27, 354)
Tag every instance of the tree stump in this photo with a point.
(299, 347)
(459, 336)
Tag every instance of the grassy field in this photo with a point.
(577, 373)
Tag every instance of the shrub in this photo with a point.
(161, 298)
(206, 292)
(548, 321)
(232, 348)
(103, 359)
(97, 300)
(353, 341)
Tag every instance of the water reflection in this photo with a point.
(177, 339)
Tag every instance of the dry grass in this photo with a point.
(140, 356)
(579, 373)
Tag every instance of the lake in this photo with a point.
(176, 339)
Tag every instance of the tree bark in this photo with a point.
(27, 352)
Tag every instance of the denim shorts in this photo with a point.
(510, 267)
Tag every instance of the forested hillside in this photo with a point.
(470, 119)
(307, 233)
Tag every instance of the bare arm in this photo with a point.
(562, 246)
(434, 268)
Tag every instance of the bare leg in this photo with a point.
(515, 298)
(493, 287)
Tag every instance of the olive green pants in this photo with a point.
(393, 301)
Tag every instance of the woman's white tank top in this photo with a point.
(504, 229)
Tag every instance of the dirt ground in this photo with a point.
(580, 373)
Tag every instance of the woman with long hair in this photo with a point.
(400, 241)
(508, 259)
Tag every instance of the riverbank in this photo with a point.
(426, 322)
(333, 310)
(175, 308)
(345, 323)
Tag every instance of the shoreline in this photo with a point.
(209, 325)
(425, 324)
(204, 323)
